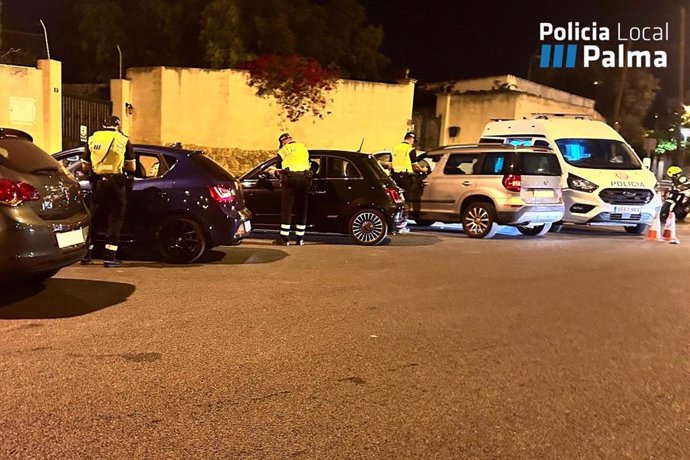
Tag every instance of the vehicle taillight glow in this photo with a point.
(394, 195)
(222, 194)
(13, 193)
(512, 182)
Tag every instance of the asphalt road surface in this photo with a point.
(576, 345)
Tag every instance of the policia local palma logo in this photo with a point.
(565, 47)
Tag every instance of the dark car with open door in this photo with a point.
(350, 194)
(43, 220)
(181, 202)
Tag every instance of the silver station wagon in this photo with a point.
(483, 186)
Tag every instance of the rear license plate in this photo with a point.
(72, 238)
(627, 210)
(540, 193)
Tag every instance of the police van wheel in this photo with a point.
(537, 230)
(368, 227)
(180, 240)
(639, 229)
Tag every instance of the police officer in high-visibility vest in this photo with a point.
(403, 167)
(293, 168)
(109, 154)
(406, 172)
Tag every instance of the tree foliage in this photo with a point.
(299, 85)
(603, 85)
(225, 33)
(149, 32)
(334, 32)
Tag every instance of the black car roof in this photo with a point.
(343, 153)
(10, 132)
(175, 151)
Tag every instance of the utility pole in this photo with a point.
(621, 90)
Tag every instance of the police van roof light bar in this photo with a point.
(546, 115)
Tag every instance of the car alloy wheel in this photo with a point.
(478, 220)
(180, 239)
(368, 227)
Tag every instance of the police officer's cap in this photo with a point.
(283, 136)
(111, 122)
(409, 135)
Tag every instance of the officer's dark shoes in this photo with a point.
(114, 263)
(299, 241)
(87, 258)
(281, 242)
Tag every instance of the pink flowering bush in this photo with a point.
(300, 85)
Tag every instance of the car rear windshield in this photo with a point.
(25, 157)
(376, 166)
(598, 154)
(214, 169)
(539, 164)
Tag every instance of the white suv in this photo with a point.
(482, 186)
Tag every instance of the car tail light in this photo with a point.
(394, 194)
(13, 193)
(512, 182)
(222, 194)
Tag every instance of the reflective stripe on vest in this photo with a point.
(295, 156)
(107, 151)
(401, 157)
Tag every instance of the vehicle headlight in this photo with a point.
(580, 184)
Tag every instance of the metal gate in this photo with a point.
(81, 116)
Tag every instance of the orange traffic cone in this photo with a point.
(670, 229)
(654, 233)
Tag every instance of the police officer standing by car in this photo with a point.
(293, 168)
(109, 154)
(404, 170)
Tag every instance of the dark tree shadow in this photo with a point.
(223, 255)
(60, 298)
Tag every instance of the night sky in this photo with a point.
(444, 39)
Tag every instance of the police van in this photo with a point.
(603, 180)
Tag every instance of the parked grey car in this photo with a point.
(482, 186)
(43, 219)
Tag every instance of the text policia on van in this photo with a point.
(561, 45)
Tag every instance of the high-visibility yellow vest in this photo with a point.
(108, 150)
(401, 157)
(295, 156)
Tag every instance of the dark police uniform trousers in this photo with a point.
(295, 187)
(110, 195)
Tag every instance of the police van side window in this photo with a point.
(460, 164)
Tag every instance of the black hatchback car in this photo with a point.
(180, 202)
(350, 194)
(43, 220)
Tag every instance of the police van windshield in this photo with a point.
(598, 154)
